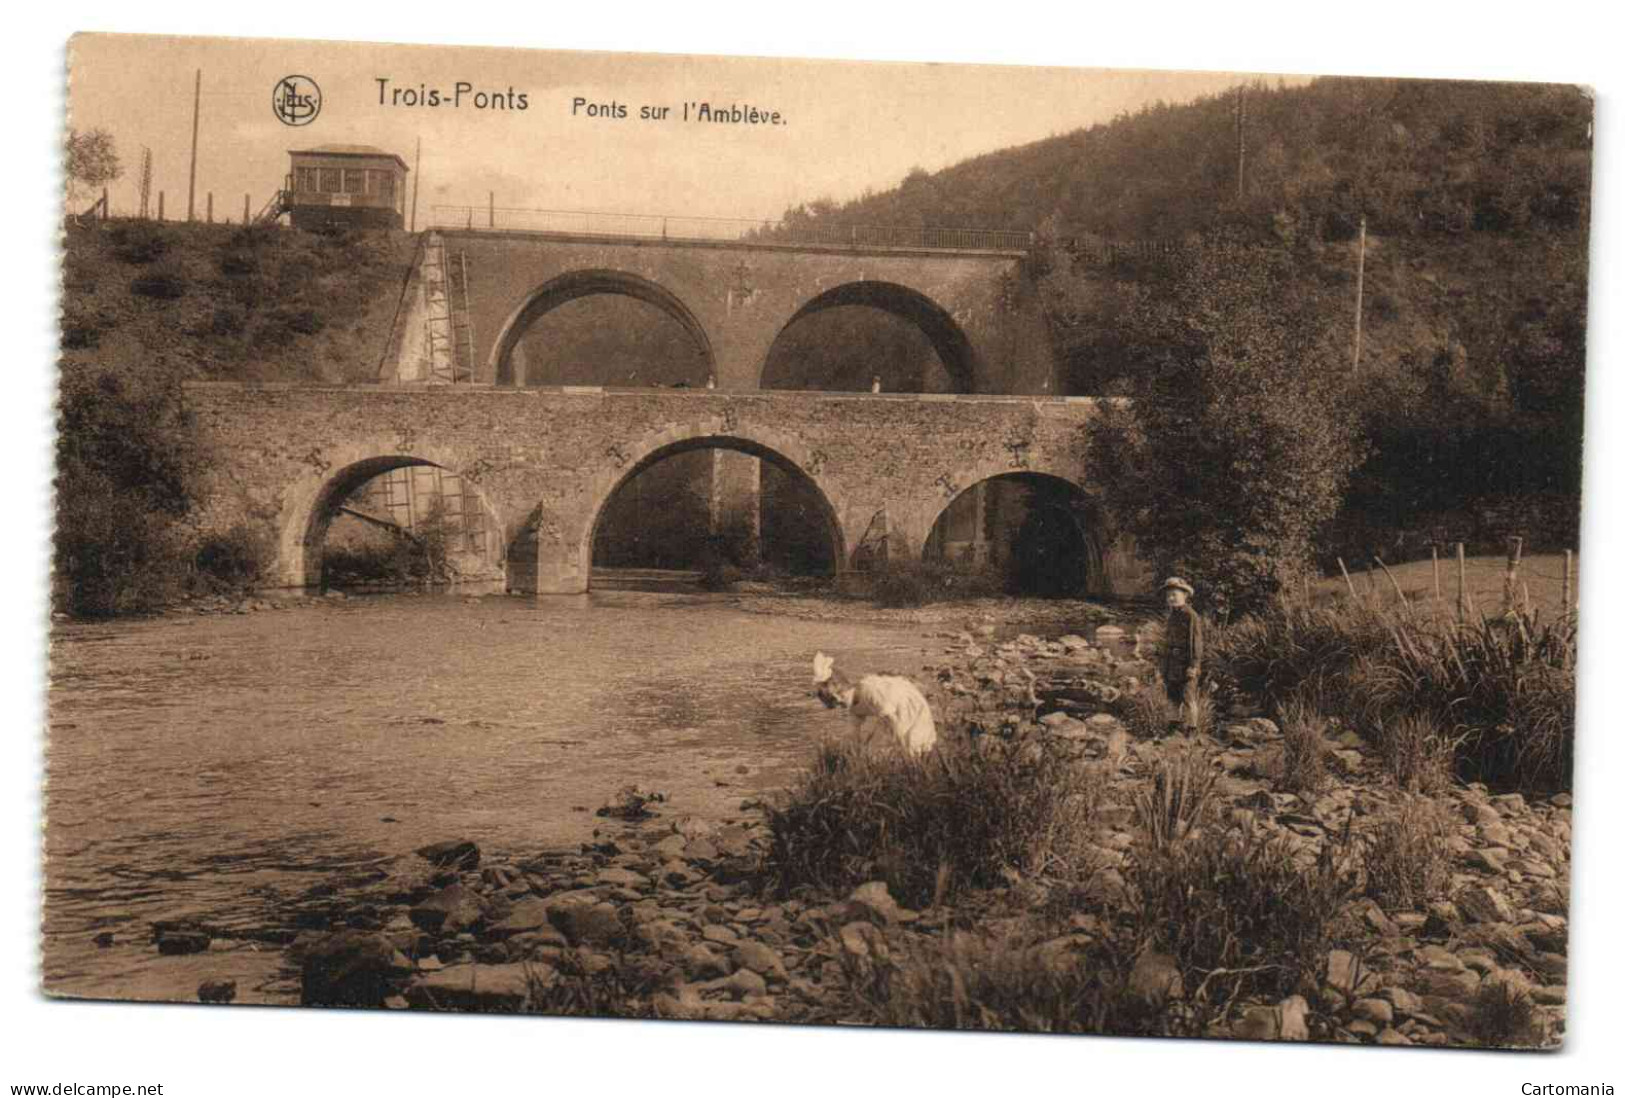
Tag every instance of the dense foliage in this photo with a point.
(1236, 447)
(1476, 202)
(124, 466)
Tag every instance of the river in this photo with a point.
(212, 767)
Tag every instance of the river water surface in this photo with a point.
(211, 767)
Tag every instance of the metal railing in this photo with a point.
(678, 227)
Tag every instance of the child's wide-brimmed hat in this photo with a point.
(1174, 583)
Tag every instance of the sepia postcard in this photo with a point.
(763, 540)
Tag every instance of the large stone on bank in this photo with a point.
(587, 923)
(353, 968)
(457, 854)
(527, 916)
(623, 878)
(217, 991)
(873, 903)
(479, 987)
(1156, 979)
(761, 960)
(450, 911)
(1483, 904)
(701, 962)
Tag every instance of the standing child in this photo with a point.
(1182, 650)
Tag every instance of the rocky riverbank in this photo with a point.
(660, 916)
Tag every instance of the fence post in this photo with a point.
(245, 209)
(1461, 583)
(1509, 587)
(210, 208)
(491, 209)
(105, 208)
(1568, 582)
(1437, 596)
(160, 205)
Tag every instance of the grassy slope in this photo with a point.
(1541, 575)
(272, 305)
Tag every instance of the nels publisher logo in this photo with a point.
(296, 100)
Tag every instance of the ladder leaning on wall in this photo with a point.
(448, 325)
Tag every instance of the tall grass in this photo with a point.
(960, 817)
(1500, 690)
(1179, 799)
(972, 981)
(1406, 860)
(1237, 909)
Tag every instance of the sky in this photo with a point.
(844, 127)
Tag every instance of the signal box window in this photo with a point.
(355, 181)
(330, 180)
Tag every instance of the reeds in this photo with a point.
(963, 816)
(1499, 691)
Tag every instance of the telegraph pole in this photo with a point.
(1359, 296)
(191, 182)
(1241, 142)
(417, 173)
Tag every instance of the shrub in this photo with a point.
(1177, 802)
(1500, 691)
(161, 285)
(972, 981)
(1299, 765)
(139, 243)
(1415, 753)
(1147, 714)
(1238, 910)
(1503, 1015)
(960, 817)
(228, 320)
(235, 558)
(125, 466)
(1237, 444)
(1406, 859)
(236, 263)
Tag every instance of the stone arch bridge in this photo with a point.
(733, 298)
(546, 461)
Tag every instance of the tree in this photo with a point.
(126, 465)
(92, 162)
(1236, 444)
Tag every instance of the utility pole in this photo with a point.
(417, 173)
(191, 182)
(1359, 296)
(1241, 142)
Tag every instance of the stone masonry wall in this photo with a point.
(546, 460)
(741, 296)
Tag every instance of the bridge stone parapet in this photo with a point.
(546, 461)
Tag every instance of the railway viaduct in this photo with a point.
(733, 297)
(546, 461)
(454, 392)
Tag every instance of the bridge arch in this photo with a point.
(767, 444)
(1067, 553)
(949, 341)
(584, 283)
(312, 503)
